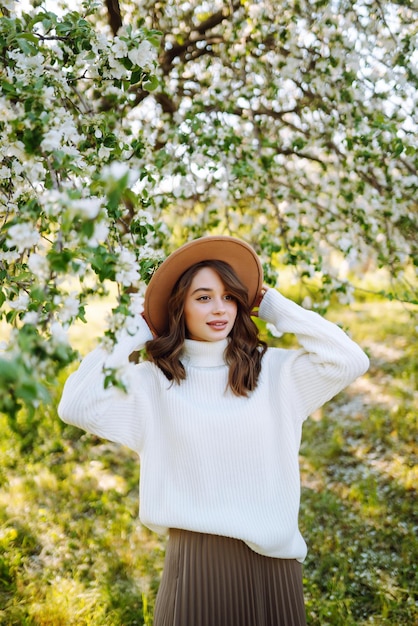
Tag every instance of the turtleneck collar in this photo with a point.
(204, 353)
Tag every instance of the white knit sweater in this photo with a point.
(213, 462)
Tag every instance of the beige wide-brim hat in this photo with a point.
(238, 254)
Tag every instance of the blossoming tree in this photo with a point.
(128, 129)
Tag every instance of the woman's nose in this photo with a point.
(218, 305)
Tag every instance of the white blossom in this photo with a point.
(127, 272)
(146, 251)
(5, 172)
(9, 256)
(53, 201)
(117, 170)
(143, 55)
(59, 334)
(31, 317)
(8, 113)
(69, 308)
(18, 169)
(39, 265)
(20, 303)
(99, 43)
(87, 207)
(52, 140)
(104, 153)
(33, 65)
(48, 92)
(100, 234)
(22, 236)
(345, 244)
(144, 217)
(9, 5)
(34, 170)
(119, 48)
(117, 70)
(137, 303)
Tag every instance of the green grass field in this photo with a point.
(72, 551)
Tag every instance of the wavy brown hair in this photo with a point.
(245, 348)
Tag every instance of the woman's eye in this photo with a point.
(228, 297)
(204, 298)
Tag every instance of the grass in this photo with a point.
(72, 550)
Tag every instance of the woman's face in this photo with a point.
(209, 310)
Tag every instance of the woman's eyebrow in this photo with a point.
(207, 289)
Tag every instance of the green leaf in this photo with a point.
(26, 46)
(8, 370)
(59, 260)
(28, 391)
(151, 83)
(87, 228)
(136, 76)
(64, 28)
(28, 37)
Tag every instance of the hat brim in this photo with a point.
(238, 254)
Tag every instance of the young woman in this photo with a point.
(216, 418)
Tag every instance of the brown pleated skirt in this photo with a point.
(217, 581)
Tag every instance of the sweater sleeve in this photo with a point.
(328, 360)
(110, 413)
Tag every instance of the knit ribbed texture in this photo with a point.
(213, 462)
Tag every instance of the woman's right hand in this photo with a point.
(259, 300)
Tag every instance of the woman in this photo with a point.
(216, 418)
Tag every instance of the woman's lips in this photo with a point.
(218, 324)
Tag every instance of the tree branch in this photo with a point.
(114, 15)
(212, 21)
